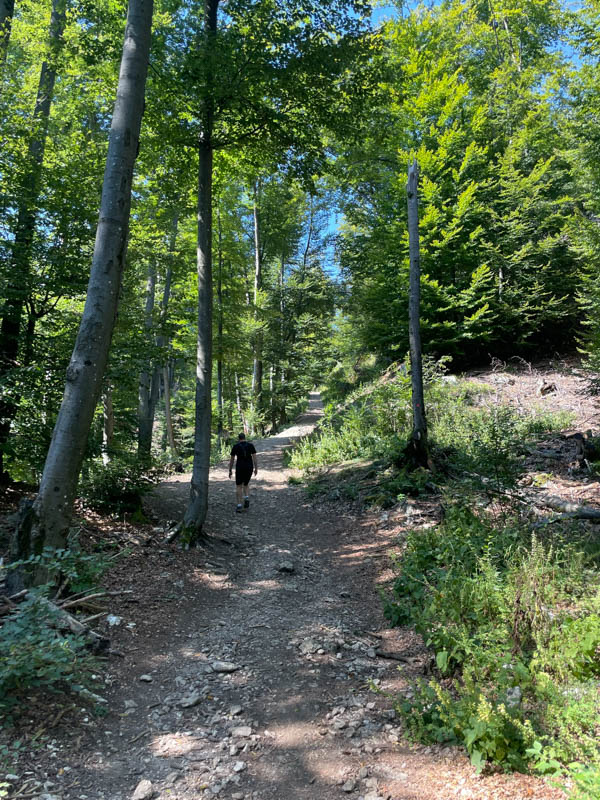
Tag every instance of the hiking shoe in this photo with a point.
(246, 502)
(238, 509)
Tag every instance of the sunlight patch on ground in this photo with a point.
(257, 586)
(174, 744)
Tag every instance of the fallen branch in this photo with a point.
(140, 735)
(81, 600)
(569, 510)
(391, 656)
(97, 643)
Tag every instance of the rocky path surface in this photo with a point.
(264, 669)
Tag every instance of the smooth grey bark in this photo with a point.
(108, 425)
(7, 10)
(168, 416)
(147, 386)
(48, 524)
(418, 444)
(161, 342)
(239, 404)
(195, 513)
(257, 367)
(15, 292)
(220, 336)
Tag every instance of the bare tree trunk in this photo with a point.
(257, 371)
(196, 511)
(108, 426)
(52, 508)
(7, 10)
(17, 287)
(239, 404)
(220, 338)
(150, 382)
(147, 383)
(418, 444)
(168, 417)
(229, 406)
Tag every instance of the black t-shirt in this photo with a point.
(243, 451)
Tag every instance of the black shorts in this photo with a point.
(243, 475)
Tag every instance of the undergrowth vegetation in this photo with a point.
(38, 650)
(508, 605)
(512, 618)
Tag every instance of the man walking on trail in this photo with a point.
(245, 464)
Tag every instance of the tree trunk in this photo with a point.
(239, 404)
(53, 505)
(168, 418)
(7, 10)
(17, 287)
(108, 426)
(147, 381)
(418, 443)
(162, 341)
(196, 511)
(220, 339)
(257, 370)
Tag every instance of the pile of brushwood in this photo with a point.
(47, 640)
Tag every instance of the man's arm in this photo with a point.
(255, 463)
(231, 460)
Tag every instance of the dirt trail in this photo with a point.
(250, 678)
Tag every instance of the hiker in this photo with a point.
(246, 462)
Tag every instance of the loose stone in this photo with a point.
(224, 666)
(143, 791)
(191, 700)
(286, 566)
(243, 731)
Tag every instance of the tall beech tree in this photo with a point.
(271, 75)
(44, 522)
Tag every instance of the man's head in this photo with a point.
(241, 436)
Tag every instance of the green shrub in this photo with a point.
(34, 654)
(515, 637)
(586, 782)
(117, 486)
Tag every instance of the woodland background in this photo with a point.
(499, 103)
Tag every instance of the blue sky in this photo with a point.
(383, 13)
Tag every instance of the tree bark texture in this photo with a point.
(168, 416)
(161, 342)
(108, 425)
(19, 274)
(198, 506)
(419, 433)
(257, 370)
(7, 10)
(220, 340)
(146, 383)
(53, 504)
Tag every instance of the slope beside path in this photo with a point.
(248, 667)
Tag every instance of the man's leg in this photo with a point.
(238, 495)
(246, 498)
